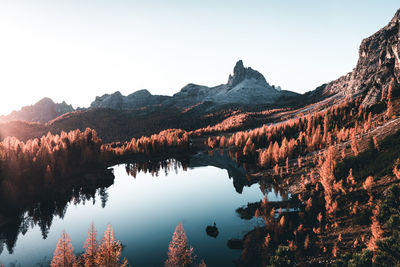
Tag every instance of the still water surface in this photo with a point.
(144, 212)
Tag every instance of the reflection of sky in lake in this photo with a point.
(144, 212)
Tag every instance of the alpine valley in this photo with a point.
(314, 178)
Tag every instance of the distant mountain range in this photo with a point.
(43, 111)
(197, 106)
(246, 86)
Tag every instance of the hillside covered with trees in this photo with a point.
(336, 154)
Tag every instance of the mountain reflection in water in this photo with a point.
(101, 187)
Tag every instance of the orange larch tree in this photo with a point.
(91, 247)
(179, 252)
(64, 252)
(109, 250)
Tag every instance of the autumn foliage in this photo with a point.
(54, 159)
(64, 252)
(179, 252)
(165, 141)
(107, 253)
(276, 143)
(91, 247)
(45, 162)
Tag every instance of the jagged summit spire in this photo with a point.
(241, 73)
(238, 67)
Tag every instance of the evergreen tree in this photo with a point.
(179, 253)
(64, 252)
(91, 247)
(109, 251)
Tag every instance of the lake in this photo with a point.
(144, 211)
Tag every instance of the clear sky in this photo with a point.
(73, 50)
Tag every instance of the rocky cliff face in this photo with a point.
(378, 66)
(43, 111)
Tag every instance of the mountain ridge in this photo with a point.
(42, 111)
(377, 67)
(376, 75)
(245, 86)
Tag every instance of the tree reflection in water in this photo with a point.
(40, 212)
(51, 203)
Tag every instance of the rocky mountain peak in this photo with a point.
(241, 73)
(117, 101)
(396, 16)
(378, 66)
(239, 67)
(141, 93)
(44, 102)
(42, 111)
